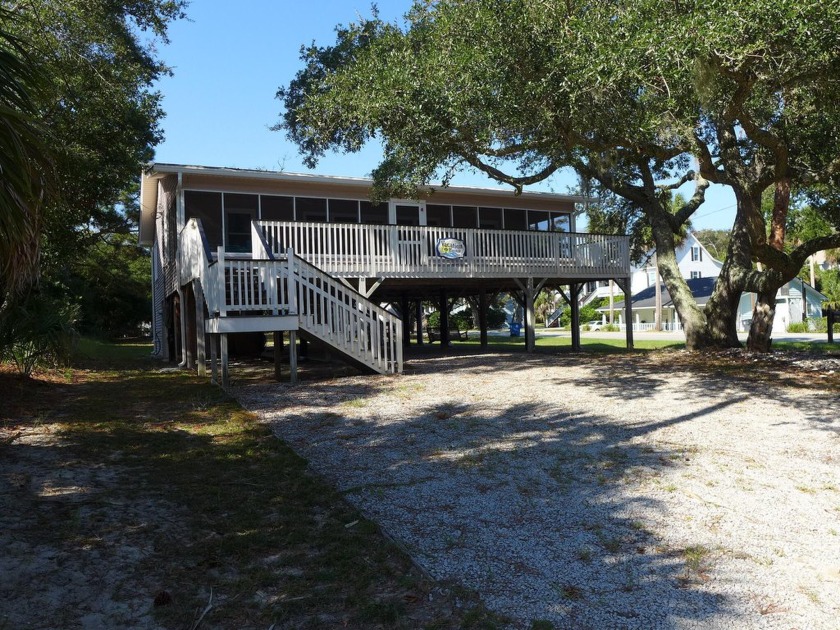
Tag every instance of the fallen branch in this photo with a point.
(207, 609)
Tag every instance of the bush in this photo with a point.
(496, 317)
(587, 313)
(460, 319)
(820, 325)
(798, 327)
(37, 331)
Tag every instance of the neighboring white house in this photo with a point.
(789, 305)
(700, 269)
(693, 259)
(790, 308)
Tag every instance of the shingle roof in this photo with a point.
(701, 288)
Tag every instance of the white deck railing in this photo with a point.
(344, 249)
(271, 285)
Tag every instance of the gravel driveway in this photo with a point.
(626, 491)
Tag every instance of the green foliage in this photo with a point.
(96, 67)
(716, 241)
(798, 327)
(496, 317)
(587, 313)
(37, 331)
(99, 62)
(461, 319)
(25, 163)
(113, 284)
(519, 89)
(820, 325)
(544, 305)
(829, 285)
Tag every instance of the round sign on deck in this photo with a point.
(451, 248)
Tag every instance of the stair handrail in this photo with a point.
(377, 338)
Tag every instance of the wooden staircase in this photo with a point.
(268, 293)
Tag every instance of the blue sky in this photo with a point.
(228, 61)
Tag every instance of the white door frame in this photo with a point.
(392, 209)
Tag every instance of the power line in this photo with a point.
(707, 214)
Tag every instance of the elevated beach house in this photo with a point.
(306, 256)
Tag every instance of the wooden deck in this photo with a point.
(396, 251)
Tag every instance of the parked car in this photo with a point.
(595, 324)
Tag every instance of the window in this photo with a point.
(437, 215)
(539, 220)
(275, 208)
(515, 219)
(464, 217)
(238, 232)
(207, 207)
(695, 274)
(344, 211)
(374, 214)
(490, 218)
(651, 277)
(696, 254)
(240, 210)
(561, 222)
(311, 209)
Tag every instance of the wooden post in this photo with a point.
(831, 316)
(530, 330)
(574, 305)
(406, 320)
(293, 359)
(190, 331)
(225, 365)
(443, 309)
(625, 285)
(482, 317)
(214, 359)
(419, 317)
(200, 331)
(278, 354)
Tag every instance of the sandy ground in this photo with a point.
(589, 491)
(595, 491)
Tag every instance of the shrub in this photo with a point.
(37, 331)
(496, 317)
(460, 319)
(798, 327)
(820, 325)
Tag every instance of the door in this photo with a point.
(408, 217)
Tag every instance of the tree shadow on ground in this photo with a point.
(542, 509)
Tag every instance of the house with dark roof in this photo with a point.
(796, 301)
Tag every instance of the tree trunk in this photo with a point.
(722, 308)
(761, 329)
(692, 316)
(657, 311)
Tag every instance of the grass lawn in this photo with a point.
(555, 342)
(215, 502)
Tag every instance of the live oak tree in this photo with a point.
(99, 64)
(630, 94)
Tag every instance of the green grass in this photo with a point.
(816, 347)
(240, 514)
(553, 342)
